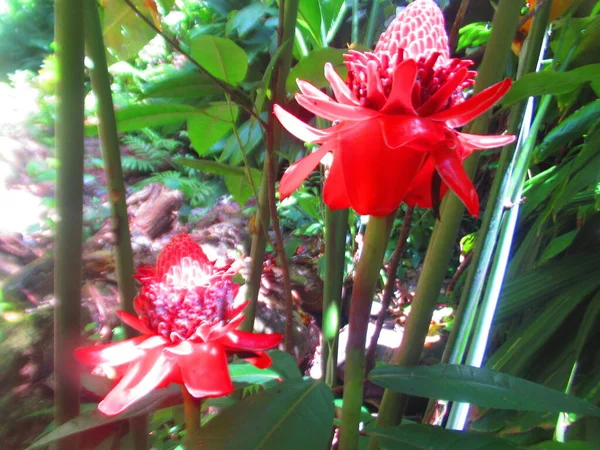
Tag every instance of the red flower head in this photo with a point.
(187, 322)
(395, 120)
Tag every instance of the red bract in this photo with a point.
(187, 322)
(394, 120)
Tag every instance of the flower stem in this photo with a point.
(444, 234)
(336, 225)
(192, 411)
(367, 274)
(388, 291)
(288, 12)
(69, 206)
(107, 128)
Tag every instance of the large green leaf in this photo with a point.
(221, 57)
(136, 117)
(573, 127)
(571, 445)
(522, 345)
(477, 386)
(311, 68)
(421, 437)
(210, 124)
(123, 31)
(550, 82)
(236, 178)
(241, 188)
(524, 291)
(294, 415)
(185, 83)
(94, 419)
(244, 372)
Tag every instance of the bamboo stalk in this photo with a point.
(444, 234)
(367, 275)
(109, 143)
(69, 206)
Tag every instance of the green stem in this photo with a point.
(367, 275)
(444, 234)
(192, 411)
(288, 13)
(69, 206)
(390, 286)
(372, 25)
(107, 128)
(354, 34)
(336, 225)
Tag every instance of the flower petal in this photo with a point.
(375, 94)
(134, 322)
(377, 177)
(419, 193)
(295, 126)
(219, 331)
(340, 89)
(204, 370)
(113, 354)
(153, 342)
(141, 378)
(449, 166)
(330, 110)
(463, 113)
(261, 360)
(441, 96)
(420, 133)
(295, 175)
(476, 141)
(335, 194)
(308, 89)
(400, 99)
(242, 340)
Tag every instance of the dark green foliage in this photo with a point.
(26, 31)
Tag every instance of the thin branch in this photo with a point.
(234, 94)
(461, 268)
(389, 287)
(458, 21)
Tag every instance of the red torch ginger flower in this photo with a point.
(394, 120)
(187, 322)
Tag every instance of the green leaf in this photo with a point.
(419, 437)
(248, 18)
(250, 134)
(570, 129)
(482, 387)
(571, 445)
(212, 167)
(244, 372)
(221, 57)
(210, 124)
(236, 178)
(94, 419)
(136, 117)
(557, 245)
(311, 68)
(240, 188)
(293, 415)
(185, 83)
(123, 31)
(550, 82)
(285, 365)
